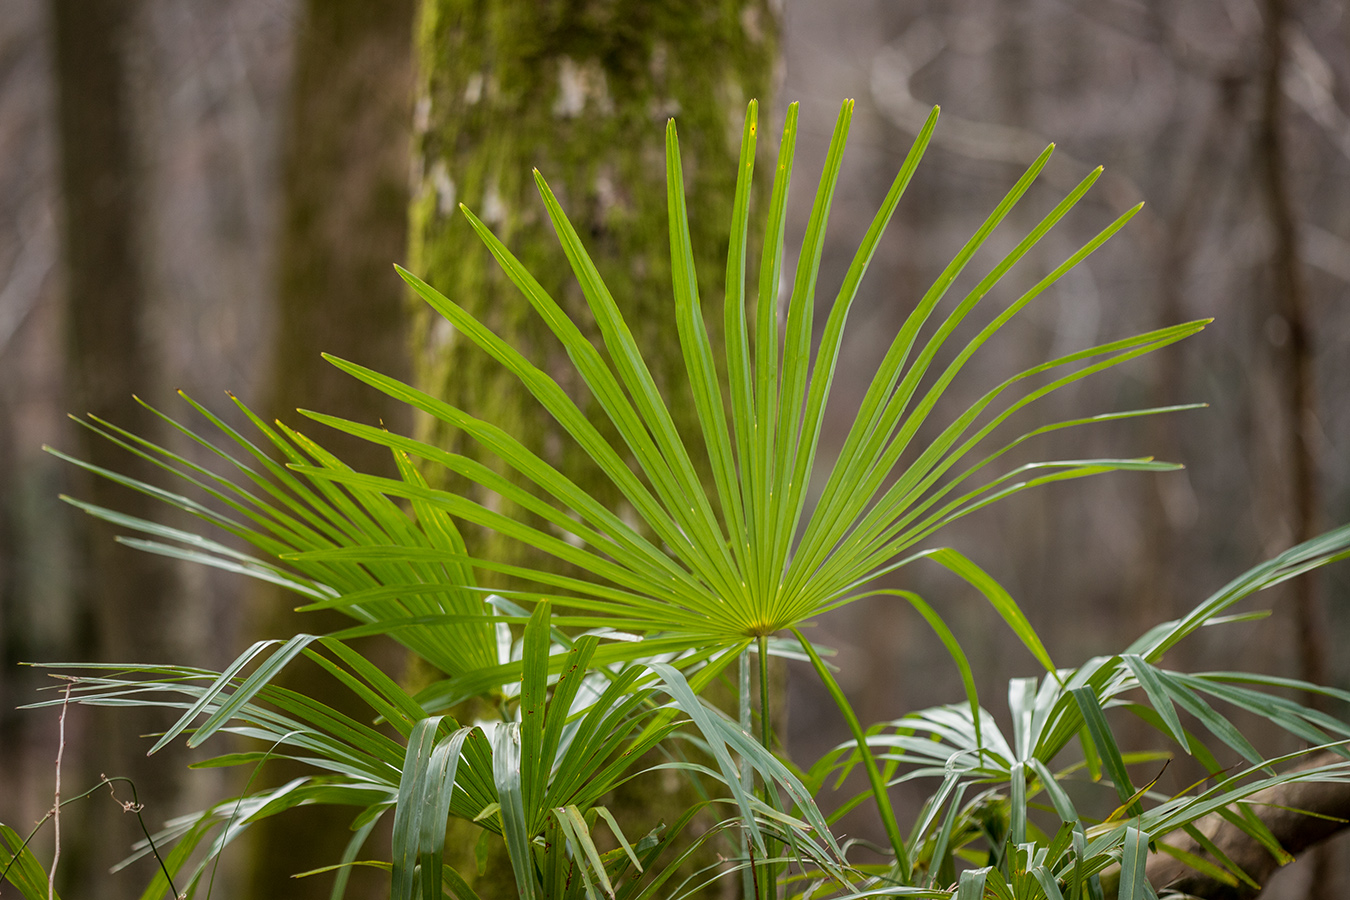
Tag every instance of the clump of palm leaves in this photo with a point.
(705, 578)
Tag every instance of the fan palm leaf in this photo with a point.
(748, 555)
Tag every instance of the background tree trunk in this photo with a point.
(581, 91)
(128, 595)
(345, 176)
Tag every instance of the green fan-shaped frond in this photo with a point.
(749, 555)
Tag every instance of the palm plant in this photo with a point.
(700, 577)
(963, 747)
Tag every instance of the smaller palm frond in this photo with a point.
(993, 787)
(260, 501)
(574, 731)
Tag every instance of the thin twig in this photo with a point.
(56, 800)
(134, 806)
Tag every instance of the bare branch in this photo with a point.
(1300, 815)
(56, 801)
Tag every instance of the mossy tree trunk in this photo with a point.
(344, 224)
(580, 90)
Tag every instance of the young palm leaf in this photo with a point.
(718, 567)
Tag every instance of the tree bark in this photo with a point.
(1290, 302)
(127, 594)
(1300, 815)
(582, 91)
(344, 225)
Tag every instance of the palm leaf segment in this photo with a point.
(262, 502)
(720, 568)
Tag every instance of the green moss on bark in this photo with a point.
(580, 90)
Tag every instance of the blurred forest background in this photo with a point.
(179, 180)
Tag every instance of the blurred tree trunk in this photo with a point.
(1291, 303)
(581, 90)
(127, 594)
(344, 225)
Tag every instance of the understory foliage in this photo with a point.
(729, 543)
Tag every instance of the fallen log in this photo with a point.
(1300, 815)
